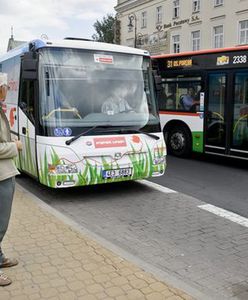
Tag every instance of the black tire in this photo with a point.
(179, 141)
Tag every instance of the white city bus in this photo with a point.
(84, 111)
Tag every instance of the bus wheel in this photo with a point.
(179, 141)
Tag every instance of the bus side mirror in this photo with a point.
(158, 82)
(29, 66)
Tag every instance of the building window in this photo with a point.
(159, 14)
(218, 37)
(196, 6)
(176, 43)
(130, 42)
(195, 37)
(143, 19)
(243, 32)
(175, 8)
(218, 2)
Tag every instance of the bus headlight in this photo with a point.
(159, 160)
(63, 169)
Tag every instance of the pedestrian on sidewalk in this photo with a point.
(8, 150)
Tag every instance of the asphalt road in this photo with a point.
(220, 181)
(169, 231)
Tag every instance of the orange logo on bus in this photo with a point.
(12, 116)
(135, 139)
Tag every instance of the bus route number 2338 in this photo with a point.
(240, 59)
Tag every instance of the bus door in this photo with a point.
(226, 118)
(27, 127)
(216, 113)
(239, 111)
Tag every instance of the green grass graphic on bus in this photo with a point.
(27, 156)
(141, 163)
(27, 160)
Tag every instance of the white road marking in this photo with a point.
(156, 186)
(225, 214)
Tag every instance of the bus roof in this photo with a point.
(72, 44)
(205, 51)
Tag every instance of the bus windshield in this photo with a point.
(84, 88)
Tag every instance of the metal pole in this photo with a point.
(135, 31)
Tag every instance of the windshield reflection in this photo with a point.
(81, 89)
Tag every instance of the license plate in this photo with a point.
(117, 173)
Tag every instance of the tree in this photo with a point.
(104, 29)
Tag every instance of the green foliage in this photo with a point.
(104, 29)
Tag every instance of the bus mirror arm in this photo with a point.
(158, 82)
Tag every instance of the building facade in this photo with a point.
(172, 26)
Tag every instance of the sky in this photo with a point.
(55, 19)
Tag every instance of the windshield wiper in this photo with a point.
(139, 131)
(68, 142)
(121, 131)
(129, 130)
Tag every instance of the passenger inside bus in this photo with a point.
(189, 101)
(114, 105)
(116, 102)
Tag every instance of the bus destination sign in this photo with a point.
(181, 63)
(235, 59)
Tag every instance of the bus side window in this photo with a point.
(162, 99)
(27, 99)
(167, 98)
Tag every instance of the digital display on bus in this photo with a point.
(179, 63)
(235, 59)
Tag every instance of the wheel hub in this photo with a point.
(177, 141)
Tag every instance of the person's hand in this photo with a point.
(18, 145)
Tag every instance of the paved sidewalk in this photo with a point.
(59, 262)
